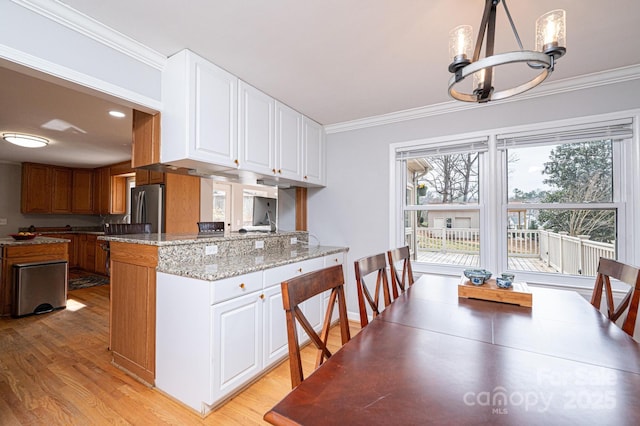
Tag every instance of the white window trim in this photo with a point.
(492, 206)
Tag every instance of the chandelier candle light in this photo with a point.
(550, 45)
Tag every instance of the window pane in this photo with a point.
(443, 179)
(562, 241)
(446, 237)
(565, 173)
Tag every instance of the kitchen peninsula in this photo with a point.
(200, 316)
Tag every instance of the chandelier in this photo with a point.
(550, 45)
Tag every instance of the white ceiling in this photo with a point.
(333, 60)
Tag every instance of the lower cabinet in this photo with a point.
(132, 319)
(237, 342)
(214, 337)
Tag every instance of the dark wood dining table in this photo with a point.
(434, 358)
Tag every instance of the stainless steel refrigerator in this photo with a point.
(147, 206)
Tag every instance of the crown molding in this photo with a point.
(87, 26)
(587, 81)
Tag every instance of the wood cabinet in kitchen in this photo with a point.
(132, 319)
(200, 117)
(61, 180)
(14, 254)
(36, 188)
(48, 189)
(102, 190)
(87, 251)
(182, 203)
(110, 189)
(148, 177)
(145, 148)
(82, 191)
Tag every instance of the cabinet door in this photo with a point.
(61, 190)
(36, 188)
(82, 194)
(256, 136)
(145, 148)
(313, 152)
(288, 142)
(237, 342)
(215, 117)
(275, 327)
(102, 190)
(100, 258)
(118, 195)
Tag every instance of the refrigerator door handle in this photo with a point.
(141, 205)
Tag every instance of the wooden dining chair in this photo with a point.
(609, 268)
(301, 288)
(400, 280)
(367, 267)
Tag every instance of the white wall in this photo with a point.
(354, 208)
(37, 42)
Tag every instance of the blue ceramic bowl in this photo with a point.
(508, 276)
(477, 276)
(503, 282)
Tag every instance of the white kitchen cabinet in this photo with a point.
(214, 337)
(288, 151)
(269, 135)
(256, 134)
(200, 116)
(275, 327)
(313, 142)
(237, 342)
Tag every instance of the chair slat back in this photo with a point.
(367, 267)
(609, 268)
(297, 290)
(402, 278)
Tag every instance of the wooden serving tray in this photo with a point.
(518, 294)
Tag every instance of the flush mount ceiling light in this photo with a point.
(26, 141)
(550, 45)
(116, 114)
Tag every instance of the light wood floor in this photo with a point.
(55, 369)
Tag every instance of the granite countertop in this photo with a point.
(182, 239)
(37, 240)
(225, 267)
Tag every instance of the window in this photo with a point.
(442, 202)
(550, 201)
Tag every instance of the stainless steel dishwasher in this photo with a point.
(39, 287)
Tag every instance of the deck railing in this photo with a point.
(564, 253)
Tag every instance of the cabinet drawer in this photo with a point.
(334, 259)
(230, 288)
(276, 275)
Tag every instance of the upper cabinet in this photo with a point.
(36, 188)
(314, 152)
(256, 130)
(82, 191)
(289, 152)
(199, 117)
(146, 139)
(215, 123)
